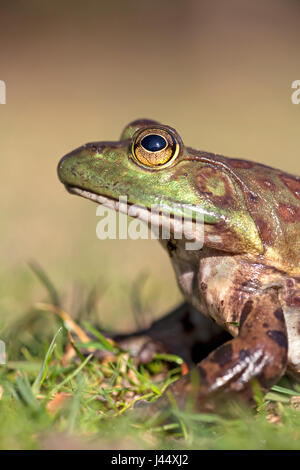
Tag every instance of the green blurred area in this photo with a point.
(219, 72)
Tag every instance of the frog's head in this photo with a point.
(151, 167)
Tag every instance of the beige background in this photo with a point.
(219, 72)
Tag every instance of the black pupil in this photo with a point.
(153, 143)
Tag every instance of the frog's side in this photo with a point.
(246, 277)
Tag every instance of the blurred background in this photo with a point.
(219, 72)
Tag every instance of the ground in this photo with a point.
(76, 393)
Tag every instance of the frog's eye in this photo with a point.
(154, 148)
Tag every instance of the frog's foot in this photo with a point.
(258, 355)
(184, 332)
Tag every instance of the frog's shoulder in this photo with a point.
(270, 197)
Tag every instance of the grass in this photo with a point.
(71, 391)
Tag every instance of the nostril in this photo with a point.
(94, 147)
(97, 148)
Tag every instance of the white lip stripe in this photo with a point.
(191, 231)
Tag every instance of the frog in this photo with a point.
(239, 324)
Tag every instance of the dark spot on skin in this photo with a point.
(294, 298)
(279, 338)
(250, 285)
(292, 183)
(290, 283)
(279, 315)
(266, 325)
(245, 312)
(203, 286)
(222, 355)
(236, 163)
(171, 247)
(265, 230)
(253, 197)
(288, 212)
(298, 328)
(186, 322)
(243, 354)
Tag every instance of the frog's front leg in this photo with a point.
(184, 332)
(258, 352)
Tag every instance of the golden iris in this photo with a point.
(154, 148)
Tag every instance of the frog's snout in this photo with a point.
(68, 164)
(65, 164)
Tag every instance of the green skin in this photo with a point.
(246, 277)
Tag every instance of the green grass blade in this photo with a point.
(42, 276)
(286, 391)
(107, 345)
(169, 358)
(72, 375)
(44, 369)
(24, 389)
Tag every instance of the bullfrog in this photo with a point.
(240, 322)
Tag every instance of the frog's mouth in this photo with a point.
(108, 202)
(154, 219)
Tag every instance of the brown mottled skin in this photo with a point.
(246, 278)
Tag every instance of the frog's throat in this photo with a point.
(191, 231)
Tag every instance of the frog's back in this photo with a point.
(273, 200)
